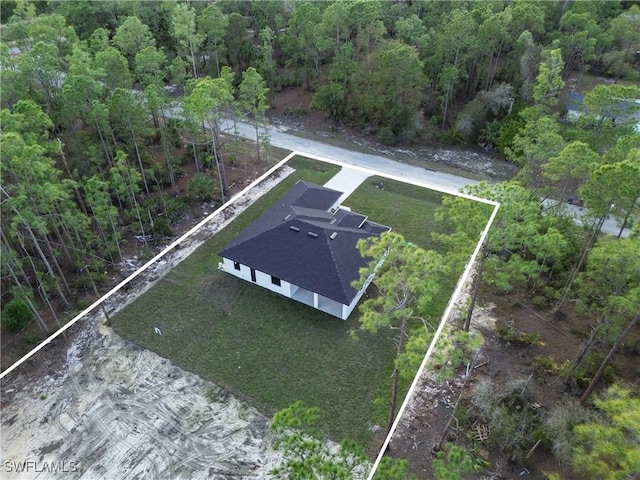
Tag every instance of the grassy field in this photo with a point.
(265, 348)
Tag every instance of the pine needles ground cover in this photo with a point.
(265, 348)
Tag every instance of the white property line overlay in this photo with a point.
(445, 316)
(452, 300)
(108, 295)
(232, 200)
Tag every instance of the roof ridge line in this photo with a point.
(336, 266)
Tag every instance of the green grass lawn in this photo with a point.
(265, 348)
(407, 209)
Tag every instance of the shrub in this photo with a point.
(511, 413)
(393, 469)
(513, 336)
(582, 376)
(30, 338)
(454, 350)
(489, 134)
(16, 314)
(558, 427)
(540, 301)
(162, 226)
(508, 130)
(452, 463)
(201, 187)
(451, 136)
(387, 137)
(544, 364)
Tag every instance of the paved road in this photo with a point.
(610, 226)
(385, 165)
(378, 163)
(439, 180)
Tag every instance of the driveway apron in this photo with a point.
(346, 181)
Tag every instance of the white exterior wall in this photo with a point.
(286, 288)
(262, 279)
(347, 309)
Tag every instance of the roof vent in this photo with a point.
(313, 235)
(295, 229)
(333, 235)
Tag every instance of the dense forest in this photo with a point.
(93, 149)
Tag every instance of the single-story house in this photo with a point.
(624, 111)
(304, 247)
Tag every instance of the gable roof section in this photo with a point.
(301, 242)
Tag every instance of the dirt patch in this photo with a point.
(425, 422)
(118, 411)
(110, 409)
(291, 108)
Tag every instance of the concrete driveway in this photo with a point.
(347, 180)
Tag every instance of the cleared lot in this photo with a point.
(267, 349)
(119, 411)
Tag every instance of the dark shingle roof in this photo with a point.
(325, 262)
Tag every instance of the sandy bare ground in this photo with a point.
(118, 411)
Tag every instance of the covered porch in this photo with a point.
(319, 302)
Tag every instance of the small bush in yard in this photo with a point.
(16, 314)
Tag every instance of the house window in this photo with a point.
(253, 274)
(236, 265)
(275, 280)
